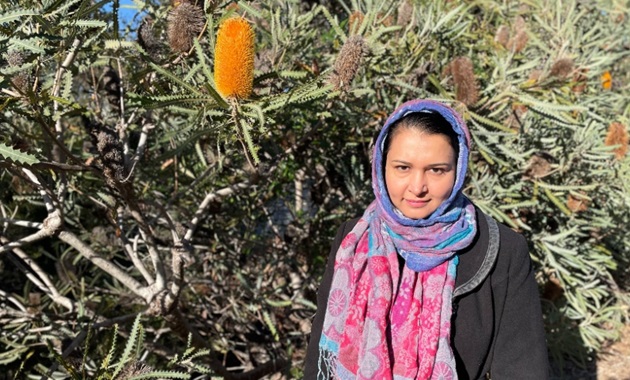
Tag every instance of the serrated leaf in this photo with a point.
(120, 44)
(28, 44)
(131, 342)
(162, 374)
(17, 156)
(85, 23)
(15, 15)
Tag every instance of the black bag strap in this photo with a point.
(488, 261)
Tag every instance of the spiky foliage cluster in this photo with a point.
(162, 212)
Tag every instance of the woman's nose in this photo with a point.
(418, 184)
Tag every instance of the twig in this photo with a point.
(49, 204)
(142, 143)
(106, 265)
(41, 280)
(132, 252)
(22, 223)
(14, 301)
(50, 226)
(210, 197)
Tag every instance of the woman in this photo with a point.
(424, 285)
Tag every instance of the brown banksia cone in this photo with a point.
(147, 39)
(185, 22)
(234, 59)
(110, 151)
(561, 68)
(618, 136)
(133, 369)
(519, 31)
(354, 21)
(111, 85)
(461, 69)
(21, 81)
(348, 63)
(404, 13)
(502, 35)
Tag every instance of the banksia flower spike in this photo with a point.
(234, 59)
(348, 62)
(502, 35)
(185, 22)
(519, 41)
(606, 80)
(618, 136)
(461, 69)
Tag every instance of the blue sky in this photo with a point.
(126, 12)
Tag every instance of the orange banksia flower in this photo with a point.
(606, 80)
(618, 135)
(461, 69)
(561, 68)
(348, 62)
(234, 59)
(185, 22)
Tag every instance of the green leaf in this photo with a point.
(162, 374)
(131, 342)
(15, 15)
(17, 156)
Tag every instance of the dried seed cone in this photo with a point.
(405, 12)
(134, 369)
(461, 68)
(184, 24)
(348, 62)
(519, 41)
(234, 59)
(23, 80)
(618, 135)
(111, 85)
(562, 68)
(502, 35)
(147, 39)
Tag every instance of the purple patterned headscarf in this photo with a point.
(382, 322)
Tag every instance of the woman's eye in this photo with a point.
(438, 170)
(402, 167)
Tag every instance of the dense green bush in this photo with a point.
(129, 184)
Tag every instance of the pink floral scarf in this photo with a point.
(384, 323)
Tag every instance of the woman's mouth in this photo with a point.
(416, 203)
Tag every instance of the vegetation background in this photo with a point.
(161, 219)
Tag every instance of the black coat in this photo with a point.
(497, 320)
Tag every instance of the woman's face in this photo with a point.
(419, 171)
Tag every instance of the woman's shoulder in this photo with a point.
(513, 252)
